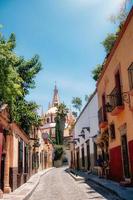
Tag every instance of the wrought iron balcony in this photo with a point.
(102, 117)
(130, 76)
(116, 101)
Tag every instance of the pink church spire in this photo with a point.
(56, 99)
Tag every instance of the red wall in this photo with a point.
(130, 145)
(116, 170)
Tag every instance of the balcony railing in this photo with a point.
(130, 76)
(115, 98)
(102, 116)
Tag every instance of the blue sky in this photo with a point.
(67, 35)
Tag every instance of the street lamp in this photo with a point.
(82, 134)
(77, 139)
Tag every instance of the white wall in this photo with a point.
(87, 118)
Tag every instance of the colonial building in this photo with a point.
(115, 99)
(49, 120)
(13, 153)
(21, 155)
(84, 149)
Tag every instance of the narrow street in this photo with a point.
(58, 184)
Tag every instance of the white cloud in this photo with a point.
(80, 3)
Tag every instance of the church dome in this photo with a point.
(52, 110)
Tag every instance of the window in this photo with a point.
(48, 120)
(20, 156)
(33, 160)
(83, 157)
(40, 157)
(112, 131)
(130, 76)
(26, 159)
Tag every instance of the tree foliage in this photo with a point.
(61, 114)
(17, 78)
(75, 114)
(109, 41)
(58, 152)
(86, 98)
(77, 103)
(96, 72)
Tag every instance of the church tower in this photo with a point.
(56, 99)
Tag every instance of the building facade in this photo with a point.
(83, 146)
(21, 155)
(115, 100)
(13, 153)
(49, 123)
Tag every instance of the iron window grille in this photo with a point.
(130, 76)
(102, 116)
(20, 156)
(115, 98)
(112, 131)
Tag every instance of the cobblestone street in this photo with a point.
(59, 185)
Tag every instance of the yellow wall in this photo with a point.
(121, 60)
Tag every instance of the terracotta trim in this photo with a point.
(129, 17)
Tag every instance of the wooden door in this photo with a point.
(125, 156)
(88, 156)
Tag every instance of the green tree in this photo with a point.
(75, 114)
(17, 78)
(109, 41)
(77, 103)
(96, 72)
(10, 81)
(86, 98)
(122, 14)
(27, 71)
(61, 114)
(28, 115)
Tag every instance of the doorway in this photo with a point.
(2, 171)
(88, 155)
(125, 156)
(77, 159)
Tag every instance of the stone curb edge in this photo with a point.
(108, 188)
(33, 189)
(111, 190)
(76, 178)
(14, 195)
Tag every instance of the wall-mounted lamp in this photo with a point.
(76, 139)
(87, 128)
(82, 134)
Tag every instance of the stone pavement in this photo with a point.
(59, 185)
(125, 193)
(25, 190)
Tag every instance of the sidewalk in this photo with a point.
(25, 190)
(125, 193)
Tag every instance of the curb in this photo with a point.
(32, 183)
(107, 188)
(79, 178)
(76, 178)
(33, 189)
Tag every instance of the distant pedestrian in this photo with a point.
(100, 164)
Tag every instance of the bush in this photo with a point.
(58, 152)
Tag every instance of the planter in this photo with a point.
(57, 163)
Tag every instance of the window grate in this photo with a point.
(130, 76)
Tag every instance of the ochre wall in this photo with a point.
(121, 60)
